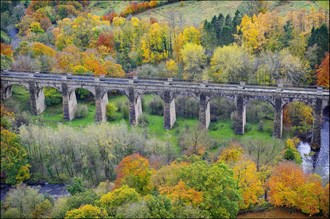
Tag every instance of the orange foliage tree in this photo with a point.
(181, 194)
(323, 72)
(134, 170)
(290, 187)
(6, 50)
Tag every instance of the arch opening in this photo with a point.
(85, 104)
(186, 107)
(117, 108)
(298, 118)
(259, 116)
(19, 101)
(221, 111)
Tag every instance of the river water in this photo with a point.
(318, 162)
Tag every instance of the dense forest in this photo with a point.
(113, 170)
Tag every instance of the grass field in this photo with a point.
(221, 132)
(101, 8)
(193, 12)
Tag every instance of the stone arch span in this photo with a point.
(6, 88)
(57, 87)
(259, 98)
(186, 94)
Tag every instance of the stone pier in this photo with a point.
(204, 111)
(240, 116)
(278, 118)
(6, 92)
(69, 102)
(37, 99)
(135, 107)
(169, 110)
(317, 125)
(101, 101)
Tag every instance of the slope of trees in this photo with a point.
(270, 48)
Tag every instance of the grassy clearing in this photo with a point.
(101, 8)
(221, 132)
(285, 8)
(193, 12)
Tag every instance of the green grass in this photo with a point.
(101, 8)
(221, 132)
(285, 8)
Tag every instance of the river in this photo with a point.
(318, 162)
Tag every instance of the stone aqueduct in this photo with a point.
(168, 89)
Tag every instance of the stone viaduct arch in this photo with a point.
(241, 94)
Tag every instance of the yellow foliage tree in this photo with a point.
(39, 49)
(86, 211)
(249, 183)
(172, 68)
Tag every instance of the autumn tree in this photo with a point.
(290, 187)
(172, 69)
(193, 59)
(230, 64)
(261, 31)
(6, 56)
(14, 163)
(291, 152)
(134, 171)
(325, 200)
(249, 182)
(189, 34)
(298, 116)
(323, 72)
(181, 194)
(194, 141)
(87, 211)
(112, 200)
(155, 45)
(216, 182)
(168, 175)
(231, 154)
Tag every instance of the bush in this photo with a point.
(118, 197)
(143, 120)
(24, 199)
(77, 186)
(83, 94)
(111, 111)
(247, 127)
(81, 198)
(52, 96)
(186, 107)
(213, 127)
(156, 106)
(82, 111)
(123, 109)
(42, 210)
(87, 211)
(261, 126)
(220, 109)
